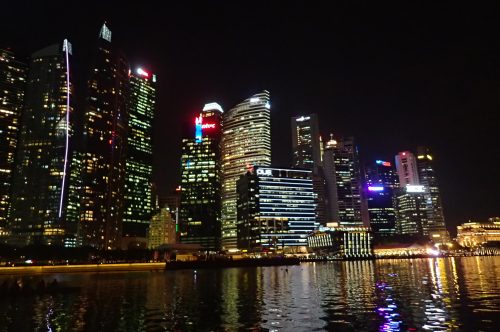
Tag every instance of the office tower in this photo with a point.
(306, 142)
(307, 154)
(381, 182)
(276, 209)
(139, 160)
(200, 205)
(411, 214)
(105, 130)
(343, 182)
(406, 165)
(427, 178)
(40, 192)
(12, 85)
(246, 142)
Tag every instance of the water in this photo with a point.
(441, 294)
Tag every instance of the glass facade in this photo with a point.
(105, 132)
(427, 178)
(411, 212)
(276, 208)
(200, 204)
(44, 156)
(139, 162)
(381, 181)
(306, 142)
(12, 85)
(343, 181)
(246, 142)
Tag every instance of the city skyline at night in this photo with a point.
(383, 94)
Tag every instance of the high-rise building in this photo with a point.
(306, 142)
(105, 138)
(411, 214)
(307, 154)
(343, 182)
(406, 165)
(200, 205)
(41, 185)
(12, 85)
(276, 209)
(427, 178)
(139, 163)
(381, 182)
(246, 142)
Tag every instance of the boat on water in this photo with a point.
(223, 263)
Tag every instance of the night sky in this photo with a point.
(393, 76)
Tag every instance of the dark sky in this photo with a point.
(394, 76)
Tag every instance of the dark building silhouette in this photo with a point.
(381, 182)
(12, 85)
(105, 139)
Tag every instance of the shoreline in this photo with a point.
(181, 265)
(43, 269)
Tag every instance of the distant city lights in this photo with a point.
(375, 188)
(383, 163)
(415, 188)
(142, 72)
(212, 107)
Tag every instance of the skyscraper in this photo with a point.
(343, 181)
(12, 85)
(306, 142)
(307, 154)
(406, 165)
(246, 142)
(139, 162)
(45, 150)
(411, 211)
(200, 205)
(105, 130)
(276, 209)
(381, 181)
(427, 178)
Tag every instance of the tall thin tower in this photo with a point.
(139, 164)
(105, 138)
(12, 84)
(41, 184)
(246, 142)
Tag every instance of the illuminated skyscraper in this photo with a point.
(276, 209)
(411, 214)
(246, 142)
(12, 85)
(381, 181)
(406, 165)
(45, 149)
(105, 130)
(427, 178)
(139, 163)
(343, 181)
(306, 142)
(200, 205)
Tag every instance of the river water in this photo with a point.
(435, 294)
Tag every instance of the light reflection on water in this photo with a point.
(438, 294)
